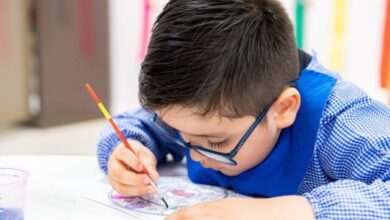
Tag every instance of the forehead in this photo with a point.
(188, 121)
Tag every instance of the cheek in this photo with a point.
(257, 148)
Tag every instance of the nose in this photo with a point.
(205, 161)
(185, 138)
(197, 156)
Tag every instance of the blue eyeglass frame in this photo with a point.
(176, 137)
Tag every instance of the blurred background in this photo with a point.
(50, 48)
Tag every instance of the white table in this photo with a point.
(45, 201)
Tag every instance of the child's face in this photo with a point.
(222, 134)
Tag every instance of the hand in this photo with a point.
(286, 207)
(124, 169)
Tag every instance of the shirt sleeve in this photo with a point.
(136, 125)
(354, 153)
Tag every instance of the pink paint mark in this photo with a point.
(183, 193)
(145, 30)
(86, 40)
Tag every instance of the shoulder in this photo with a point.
(345, 97)
(353, 140)
(351, 106)
(354, 136)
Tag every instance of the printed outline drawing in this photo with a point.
(178, 191)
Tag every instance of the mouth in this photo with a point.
(217, 168)
(211, 166)
(221, 169)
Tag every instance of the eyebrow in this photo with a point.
(210, 135)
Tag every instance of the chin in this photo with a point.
(229, 172)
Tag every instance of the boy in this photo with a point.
(224, 84)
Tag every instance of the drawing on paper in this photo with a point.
(178, 191)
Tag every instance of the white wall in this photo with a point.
(125, 39)
(363, 40)
(124, 28)
(363, 43)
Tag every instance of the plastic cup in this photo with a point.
(12, 193)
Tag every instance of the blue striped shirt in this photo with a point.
(349, 175)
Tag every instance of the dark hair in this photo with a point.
(230, 57)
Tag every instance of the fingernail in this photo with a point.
(146, 180)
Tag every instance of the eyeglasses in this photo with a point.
(226, 158)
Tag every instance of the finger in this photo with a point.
(120, 173)
(150, 162)
(153, 173)
(128, 158)
(132, 190)
(187, 214)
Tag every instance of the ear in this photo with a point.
(286, 107)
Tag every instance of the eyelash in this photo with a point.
(217, 145)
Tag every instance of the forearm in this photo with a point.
(349, 199)
(287, 207)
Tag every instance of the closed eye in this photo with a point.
(217, 145)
